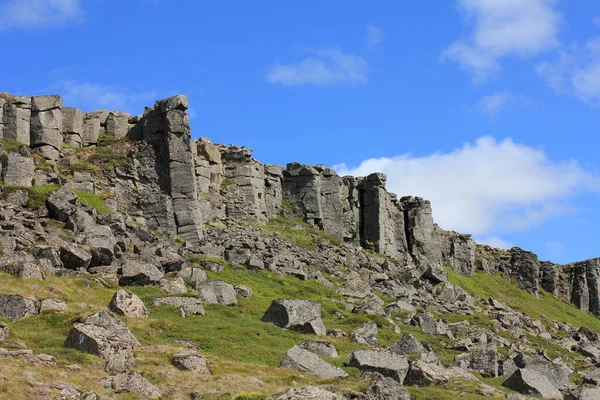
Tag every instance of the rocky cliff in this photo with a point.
(136, 199)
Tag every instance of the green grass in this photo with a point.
(37, 194)
(82, 166)
(42, 164)
(93, 201)
(250, 396)
(547, 308)
(107, 140)
(109, 159)
(298, 232)
(11, 145)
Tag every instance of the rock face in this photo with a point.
(17, 118)
(46, 126)
(17, 170)
(528, 381)
(298, 315)
(305, 361)
(383, 362)
(139, 274)
(16, 307)
(107, 337)
(323, 348)
(128, 305)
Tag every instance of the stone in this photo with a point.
(21, 265)
(556, 371)
(62, 203)
(128, 305)
(17, 170)
(117, 124)
(191, 361)
(525, 270)
(4, 331)
(528, 381)
(72, 122)
(308, 393)
(196, 276)
(217, 292)
(75, 257)
(325, 349)
(46, 124)
(407, 345)
(103, 335)
(424, 373)
(52, 305)
(173, 286)
(366, 334)
(371, 305)
(384, 388)
(383, 362)
(134, 383)
(243, 291)
(17, 119)
(421, 235)
(139, 274)
(426, 322)
(586, 393)
(29, 357)
(91, 129)
(483, 359)
(305, 361)
(187, 305)
(298, 315)
(15, 307)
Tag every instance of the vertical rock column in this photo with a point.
(301, 187)
(525, 270)
(73, 127)
(273, 189)
(46, 126)
(593, 281)
(351, 209)
(184, 191)
(17, 119)
(117, 124)
(332, 208)
(3, 97)
(94, 123)
(579, 287)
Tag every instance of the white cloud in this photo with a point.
(92, 96)
(374, 38)
(485, 188)
(35, 14)
(503, 28)
(326, 67)
(494, 241)
(496, 103)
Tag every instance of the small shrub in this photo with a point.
(227, 182)
(11, 145)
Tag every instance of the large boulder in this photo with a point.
(139, 274)
(187, 305)
(191, 361)
(384, 362)
(62, 203)
(323, 348)
(217, 292)
(117, 124)
(366, 334)
(134, 383)
(557, 372)
(408, 344)
(75, 257)
(423, 373)
(128, 305)
(303, 360)
(483, 359)
(17, 170)
(308, 393)
(47, 125)
(384, 388)
(15, 307)
(298, 315)
(21, 265)
(103, 335)
(528, 381)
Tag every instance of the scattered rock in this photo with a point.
(384, 388)
(528, 381)
(298, 315)
(134, 383)
(322, 348)
(128, 305)
(308, 393)
(366, 334)
(191, 361)
(15, 307)
(217, 292)
(384, 362)
(53, 305)
(408, 344)
(303, 360)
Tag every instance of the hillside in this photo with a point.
(139, 263)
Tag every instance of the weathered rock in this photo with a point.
(91, 128)
(585, 393)
(139, 274)
(173, 286)
(187, 305)
(75, 257)
(556, 371)
(17, 170)
(46, 124)
(424, 373)
(408, 344)
(191, 361)
(371, 305)
(117, 124)
(217, 292)
(134, 383)
(525, 270)
(384, 362)
(243, 291)
(366, 333)
(105, 336)
(72, 122)
(308, 393)
(21, 265)
(17, 119)
(323, 348)
(384, 388)
(29, 357)
(62, 203)
(302, 360)
(528, 381)
(426, 322)
(52, 305)
(4, 331)
(298, 315)
(15, 307)
(128, 305)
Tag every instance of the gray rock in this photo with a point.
(528, 381)
(105, 336)
(243, 291)
(4, 331)
(173, 286)
(424, 373)
(91, 129)
(384, 362)
(52, 305)
(191, 361)
(483, 359)
(187, 305)
(15, 307)
(72, 121)
(298, 315)
(322, 348)
(17, 119)
(585, 393)
(308, 393)
(117, 124)
(21, 265)
(592, 377)
(217, 292)
(46, 124)
(557, 372)
(408, 344)
(62, 203)
(366, 334)
(17, 170)
(426, 322)
(134, 383)
(371, 305)
(75, 257)
(128, 305)
(302, 360)
(384, 388)
(139, 274)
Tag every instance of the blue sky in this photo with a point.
(488, 108)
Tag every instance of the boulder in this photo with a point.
(308, 393)
(128, 305)
(72, 121)
(134, 383)
(17, 119)
(483, 359)
(370, 305)
(187, 305)
(117, 124)
(62, 203)
(557, 372)
(75, 257)
(384, 362)
(191, 361)
(46, 124)
(217, 292)
(173, 286)
(103, 335)
(426, 322)
(4, 331)
(408, 344)
(52, 305)
(243, 291)
(298, 315)
(21, 265)
(384, 388)
(366, 334)
(585, 393)
(424, 373)
(322, 348)
(139, 274)
(15, 307)
(303, 360)
(17, 170)
(528, 381)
